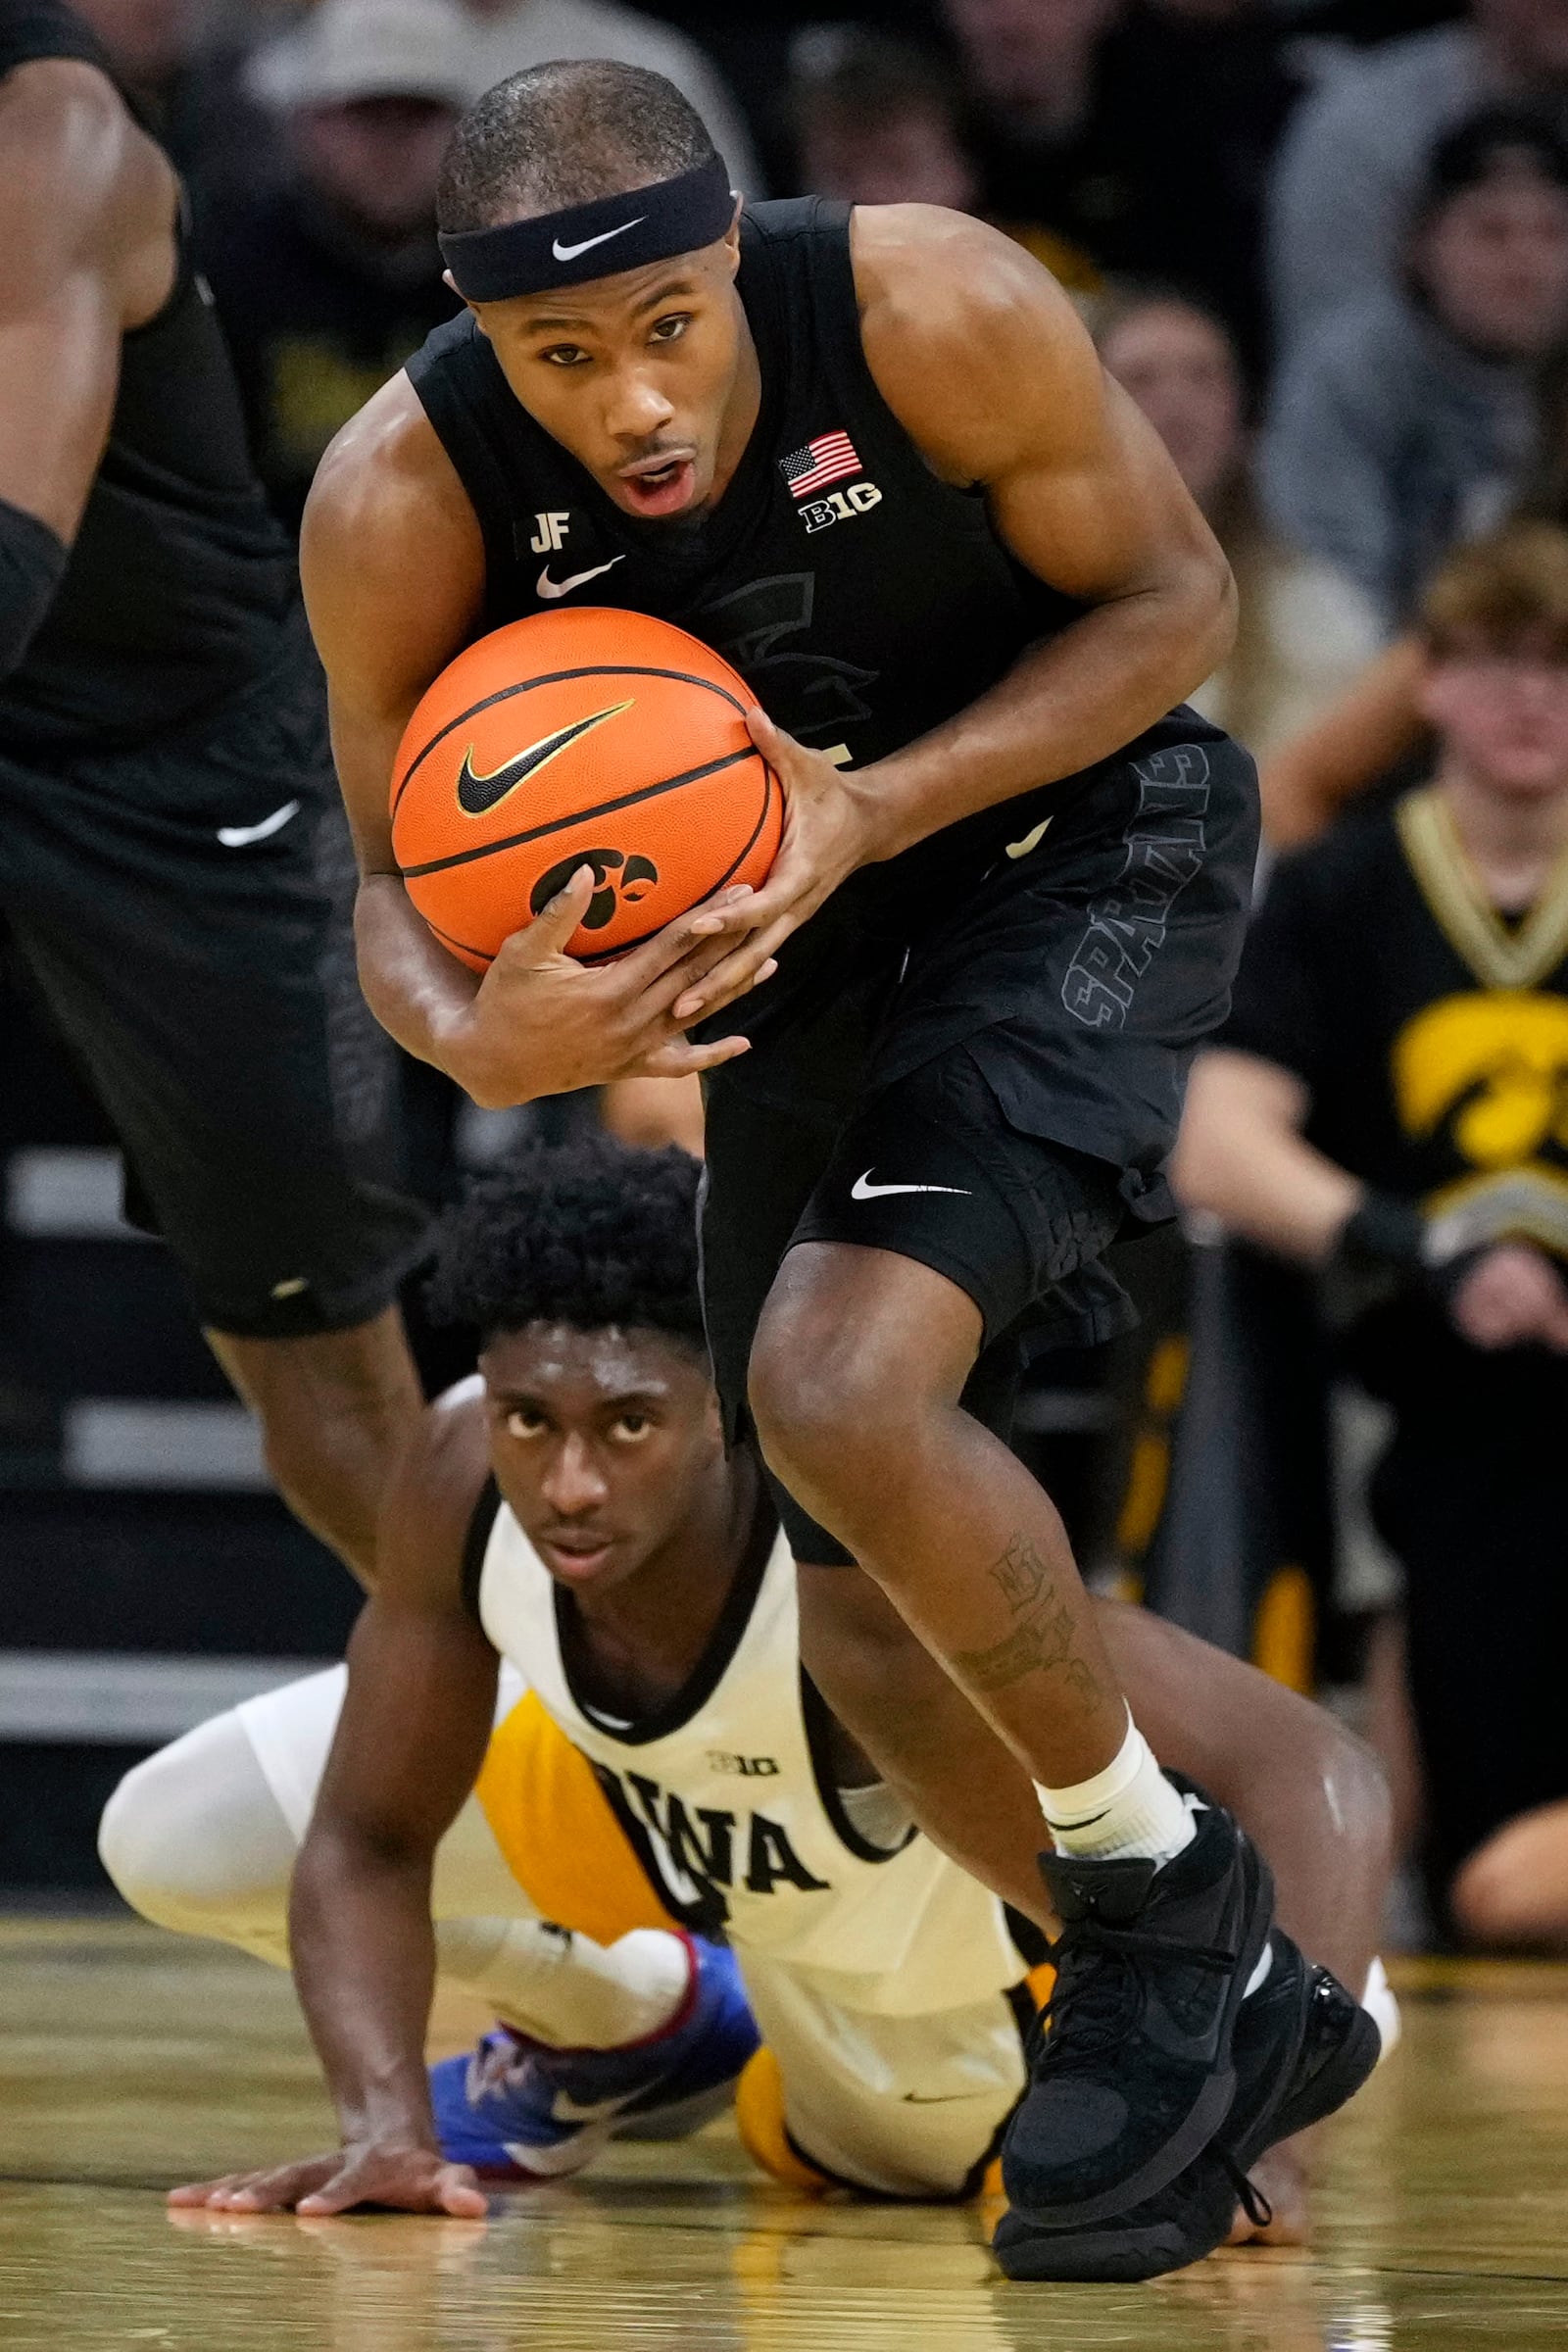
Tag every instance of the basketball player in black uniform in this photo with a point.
(873, 460)
(168, 859)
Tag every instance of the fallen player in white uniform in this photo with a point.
(580, 1771)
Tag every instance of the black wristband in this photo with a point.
(32, 564)
(1385, 1233)
(1384, 1244)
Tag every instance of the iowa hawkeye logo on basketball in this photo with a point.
(613, 888)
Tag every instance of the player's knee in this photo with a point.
(190, 1851)
(834, 1416)
(140, 1848)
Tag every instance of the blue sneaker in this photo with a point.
(518, 2108)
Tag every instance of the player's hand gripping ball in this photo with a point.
(587, 737)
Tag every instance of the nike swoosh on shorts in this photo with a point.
(569, 253)
(240, 837)
(863, 1190)
(544, 585)
(1030, 841)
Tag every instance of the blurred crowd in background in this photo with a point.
(1323, 244)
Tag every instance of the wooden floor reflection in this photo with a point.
(129, 2061)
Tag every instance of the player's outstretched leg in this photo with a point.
(860, 1363)
(518, 2108)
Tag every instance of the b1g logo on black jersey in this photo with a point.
(841, 505)
(830, 458)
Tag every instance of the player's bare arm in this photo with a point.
(386, 509)
(986, 365)
(89, 253)
(359, 1917)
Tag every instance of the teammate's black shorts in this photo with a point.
(194, 944)
(994, 1095)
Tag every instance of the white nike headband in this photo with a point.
(593, 240)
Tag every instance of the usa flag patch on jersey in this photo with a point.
(827, 458)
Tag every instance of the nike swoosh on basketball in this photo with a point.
(239, 837)
(864, 1189)
(1030, 841)
(569, 253)
(478, 794)
(544, 585)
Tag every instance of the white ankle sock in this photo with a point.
(563, 1987)
(1378, 1999)
(1128, 1810)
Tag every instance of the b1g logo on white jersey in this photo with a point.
(841, 505)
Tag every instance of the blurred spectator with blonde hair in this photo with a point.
(1390, 1106)
(1304, 631)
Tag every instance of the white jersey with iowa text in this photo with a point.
(726, 1798)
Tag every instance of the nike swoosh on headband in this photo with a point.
(569, 253)
(544, 585)
(863, 1190)
(478, 794)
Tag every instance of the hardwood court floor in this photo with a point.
(130, 2060)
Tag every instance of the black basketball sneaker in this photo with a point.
(1302, 2048)
(1130, 2071)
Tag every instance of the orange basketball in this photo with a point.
(585, 737)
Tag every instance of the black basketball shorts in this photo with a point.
(995, 1094)
(185, 907)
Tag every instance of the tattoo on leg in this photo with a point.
(1039, 1642)
(1021, 1573)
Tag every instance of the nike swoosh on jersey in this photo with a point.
(239, 837)
(864, 1189)
(478, 794)
(544, 586)
(569, 253)
(1030, 841)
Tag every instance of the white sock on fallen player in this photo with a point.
(563, 1988)
(1129, 1811)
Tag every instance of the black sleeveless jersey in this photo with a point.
(863, 600)
(179, 574)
